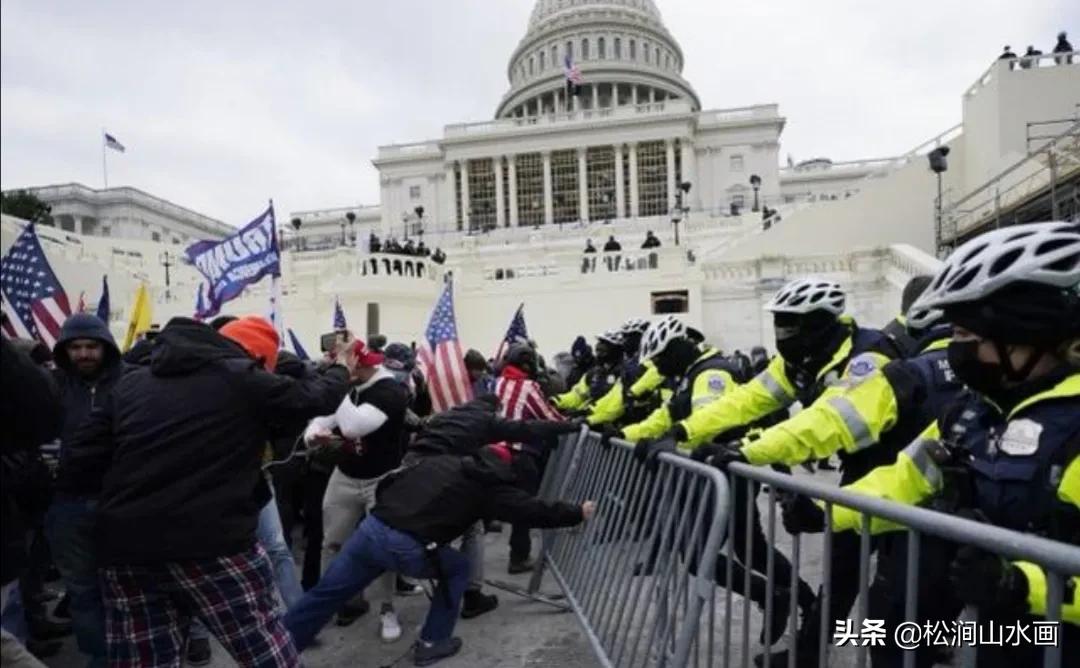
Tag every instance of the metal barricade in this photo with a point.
(639, 574)
(654, 583)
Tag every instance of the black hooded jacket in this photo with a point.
(464, 429)
(438, 498)
(174, 451)
(77, 394)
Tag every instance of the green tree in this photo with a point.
(26, 205)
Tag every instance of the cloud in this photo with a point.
(223, 105)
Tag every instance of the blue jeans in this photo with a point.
(272, 538)
(69, 527)
(373, 549)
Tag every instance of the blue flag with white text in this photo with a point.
(238, 261)
(103, 303)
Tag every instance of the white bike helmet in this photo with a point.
(806, 295)
(921, 318)
(660, 334)
(1041, 253)
(635, 326)
(612, 336)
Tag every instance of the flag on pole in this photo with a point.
(33, 300)
(103, 306)
(516, 332)
(339, 316)
(440, 356)
(573, 76)
(139, 321)
(200, 303)
(238, 261)
(110, 142)
(81, 306)
(297, 348)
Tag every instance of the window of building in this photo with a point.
(482, 193)
(570, 49)
(645, 51)
(652, 179)
(506, 191)
(564, 186)
(618, 48)
(667, 61)
(736, 163)
(531, 65)
(633, 50)
(670, 301)
(600, 181)
(585, 49)
(155, 236)
(657, 51)
(414, 192)
(543, 61)
(554, 56)
(739, 200)
(529, 174)
(601, 48)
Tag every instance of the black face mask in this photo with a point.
(677, 358)
(983, 377)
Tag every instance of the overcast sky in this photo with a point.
(225, 104)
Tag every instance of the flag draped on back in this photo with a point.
(33, 299)
(516, 332)
(103, 306)
(440, 356)
(339, 316)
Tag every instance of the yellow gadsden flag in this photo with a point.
(140, 317)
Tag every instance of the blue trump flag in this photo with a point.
(297, 348)
(237, 262)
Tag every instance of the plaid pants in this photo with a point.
(148, 610)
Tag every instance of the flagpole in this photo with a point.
(104, 161)
(276, 305)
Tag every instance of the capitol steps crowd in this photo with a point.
(187, 466)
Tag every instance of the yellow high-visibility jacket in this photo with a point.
(611, 406)
(915, 477)
(772, 390)
(848, 416)
(707, 381)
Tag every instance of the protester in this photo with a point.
(612, 245)
(651, 240)
(589, 248)
(1063, 46)
(371, 423)
(582, 354)
(174, 454)
(419, 510)
(88, 367)
(32, 415)
(1029, 57)
(479, 373)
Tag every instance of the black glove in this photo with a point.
(801, 515)
(702, 453)
(553, 428)
(648, 450)
(726, 454)
(608, 432)
(987, 581)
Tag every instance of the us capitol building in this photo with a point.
(512, 201)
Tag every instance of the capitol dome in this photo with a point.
(625, 53)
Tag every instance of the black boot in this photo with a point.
(476, 603)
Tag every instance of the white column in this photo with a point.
(652, 95)
(511, 167)
(620, 192)
(634, 208)
(549, 215)
(595, 96)
(465, 206)
(633, 94)
(669, 145)
(448, 212)
(583, 184)
(689, 164)
(500, 216)
(560, 105)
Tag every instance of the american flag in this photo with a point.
(440, 356)
(33, 299)
(573, 76)
(111, 142)
(339, 316)
(516, 332)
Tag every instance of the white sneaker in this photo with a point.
(389, 628)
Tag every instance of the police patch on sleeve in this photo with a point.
(716, 384)
(1021, 438)
(861, 366)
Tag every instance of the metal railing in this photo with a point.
(636, 576)
(652, 585)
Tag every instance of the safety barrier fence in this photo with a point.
(656, 577)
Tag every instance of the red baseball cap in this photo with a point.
(366, 356)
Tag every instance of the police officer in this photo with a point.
(868, 419)
(1007, 450)
(638, 390)
(599, 380)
